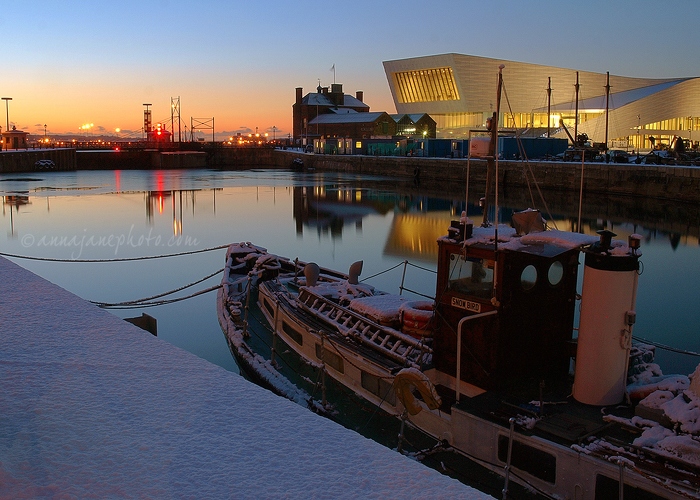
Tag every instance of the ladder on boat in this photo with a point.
(391, 343)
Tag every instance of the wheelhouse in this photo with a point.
(521, 297)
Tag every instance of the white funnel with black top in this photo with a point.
(607, 313)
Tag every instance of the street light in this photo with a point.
(639, 129)
(86, 128)
(7, 112)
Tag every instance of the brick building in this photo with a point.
(354, 125)
(322, 102)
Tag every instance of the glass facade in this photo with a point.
(661, 134)
(684, 123)
(426, 85)
(457, 114)
(534, 120)
(459, 120)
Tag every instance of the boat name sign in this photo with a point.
(466, 304)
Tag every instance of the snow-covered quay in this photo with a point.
(93, 407)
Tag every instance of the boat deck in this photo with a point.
(567, 422)
(561, 418)
(315, 323)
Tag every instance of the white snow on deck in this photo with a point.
(91, 406)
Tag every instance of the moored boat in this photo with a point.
(485, 368)
(506, 398)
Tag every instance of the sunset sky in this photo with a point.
(71, 63)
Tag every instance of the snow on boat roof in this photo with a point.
(94, 407)
(508, 239)
(564, 239)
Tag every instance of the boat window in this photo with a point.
(606, 487)
(528, 278)
(555, 273)
(471, 276)
(269, 308)
(292, 333)
(379, 387)
(539, 463)
(330, 358)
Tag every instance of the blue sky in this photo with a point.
(70, 63)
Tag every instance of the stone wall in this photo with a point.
(240, 157)
(109, 159)
(431, 174)
(656, 181)
(25, 160)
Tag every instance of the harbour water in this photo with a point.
(331, 219)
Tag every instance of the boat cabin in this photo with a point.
(512, 303)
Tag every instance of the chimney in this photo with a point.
(359, 95)
(299, 92)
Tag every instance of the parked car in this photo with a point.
(45, 165)
(618, 156)
(658, 157)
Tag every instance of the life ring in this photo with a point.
(415, 317)
(410, 378)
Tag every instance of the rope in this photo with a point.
(162, 302)
(382, 272)
(418, 293)
(666, 347)
(145, 299)
(420, 267)
(529, 167)
(124, 259)
(403, 288)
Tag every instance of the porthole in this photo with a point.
(528, 277)
(555, 273)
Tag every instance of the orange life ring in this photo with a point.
(416, 317)
(409, 378)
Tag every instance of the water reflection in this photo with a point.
(11, 202)
(173, 202)
(331, 219)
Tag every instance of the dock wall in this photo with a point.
(652, 181)
(676, 183)
(25, 160)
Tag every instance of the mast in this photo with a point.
(549, 102)
(494, 140)
(491, 164)
(576, 114)
(607, 109)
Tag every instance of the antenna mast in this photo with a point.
(607, 109)
(549, 102)
(576, 115)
